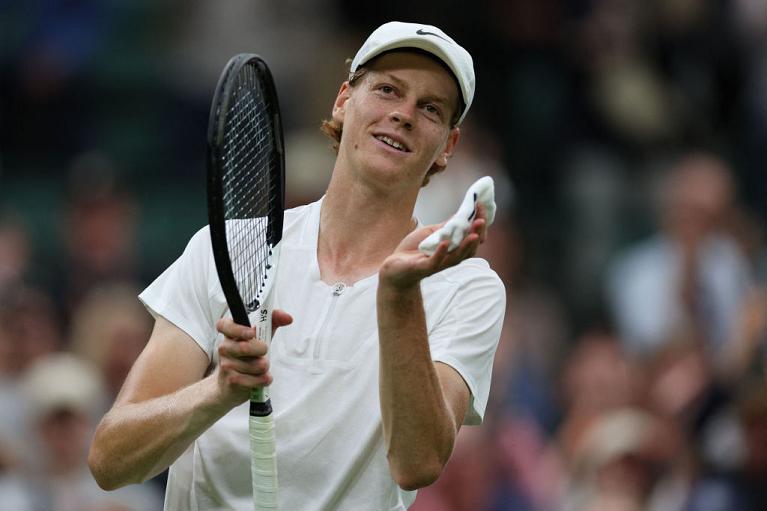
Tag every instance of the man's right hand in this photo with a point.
(243, 362)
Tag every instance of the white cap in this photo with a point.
(395, 34)
(62, 380)
(617, 433)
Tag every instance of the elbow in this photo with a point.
(416, 477)
(420, 465)
(106, 462)
(99, 472)
(103, 471)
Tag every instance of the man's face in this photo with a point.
(397, 119)
(699, 195)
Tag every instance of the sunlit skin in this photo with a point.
(410, 98)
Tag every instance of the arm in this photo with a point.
(166, 403)
(423, 403)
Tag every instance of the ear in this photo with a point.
(441, 162)
(339, 106)
(452, 141)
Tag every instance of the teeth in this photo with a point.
(391, 142)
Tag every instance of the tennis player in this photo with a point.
(386, 351)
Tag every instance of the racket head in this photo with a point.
(245, 182)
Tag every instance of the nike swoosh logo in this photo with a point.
(421, 31)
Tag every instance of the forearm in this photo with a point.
(418, 425)
(136, 441)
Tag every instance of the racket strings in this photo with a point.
(249, 158)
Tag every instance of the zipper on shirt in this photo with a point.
(337, 290)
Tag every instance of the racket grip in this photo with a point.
(263, 468)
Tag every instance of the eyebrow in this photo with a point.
(435, 98)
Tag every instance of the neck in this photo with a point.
(359, 227)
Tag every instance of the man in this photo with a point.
(690, 279)
(390, 350)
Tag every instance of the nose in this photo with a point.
(403, 115)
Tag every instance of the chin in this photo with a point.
(386, 176)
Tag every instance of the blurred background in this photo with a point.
(628, 141)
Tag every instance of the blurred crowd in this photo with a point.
(628, 142)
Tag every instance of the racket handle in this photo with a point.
(263, 464)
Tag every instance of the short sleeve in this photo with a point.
(466, 334)
(188, 293)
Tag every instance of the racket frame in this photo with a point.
(216, 217)
(261, 422)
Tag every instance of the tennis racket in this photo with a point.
(246, 199)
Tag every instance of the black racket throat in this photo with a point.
(246, 182)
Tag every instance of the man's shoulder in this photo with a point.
(296, 217)
(200, 240)
(296, 223)
(474, 271)
(299, 211)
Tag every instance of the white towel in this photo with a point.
(455, 229)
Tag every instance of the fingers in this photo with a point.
(253, 370)
(242, 364)
(280, 318)
(477, 229)
(467, 248)
(234, 331)
(405, 267)
(239, 378)
(443, 257)
(437, 258)
(239, 332)
(480, 227)
(481, 210)
(240, 341)
(242, 348)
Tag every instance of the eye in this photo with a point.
(433, 110)
(385, 90)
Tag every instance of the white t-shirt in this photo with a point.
(330, 446)
(643, 289)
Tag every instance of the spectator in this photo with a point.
(98, 229)
(691, 276)
(31, 328)
(66, 396)
(109, 330)
(617, 462)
